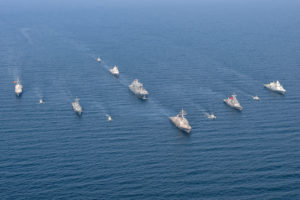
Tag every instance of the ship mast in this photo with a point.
(182, 113)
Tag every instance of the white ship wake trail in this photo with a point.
(25, 33)
(99, 106)
(208, 115)
(71, 41)
(245, 80)
(99, 109)
(38, 93)
(199, 109)
(159, 107)
(14, 71)
(212, 94)
(65, 94)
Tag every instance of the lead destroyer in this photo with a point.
(233, 102)
(181, 122)
(76, 106)
(275, 87)
(18, 88)
(138, 89)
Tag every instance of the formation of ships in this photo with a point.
(180, 121)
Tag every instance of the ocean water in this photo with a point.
(189, 54)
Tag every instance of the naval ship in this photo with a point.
(275, 87)
(41, 101)
(211, 116)
(115, 71)
(76, 106)
(108, 117)
(233, 102)
(181, 122)
(18, 88)
(138, 89)
(256, 98)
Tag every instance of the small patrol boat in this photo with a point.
(41, 101)
(211, 116)
(256, 98)
(108, 117)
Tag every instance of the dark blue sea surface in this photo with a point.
(189, 54)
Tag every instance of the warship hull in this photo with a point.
(239, 108)
(79, 113)
(18, 91)
(274, 90)
(138, 94)
(186, 129)
(18, 94)
(77, 109)
(115, 74)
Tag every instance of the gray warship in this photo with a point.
(115, 71)
(76, 106)
(233, 102)
(181, 122)
(275, 87)
(138, 89)
(18, 87)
